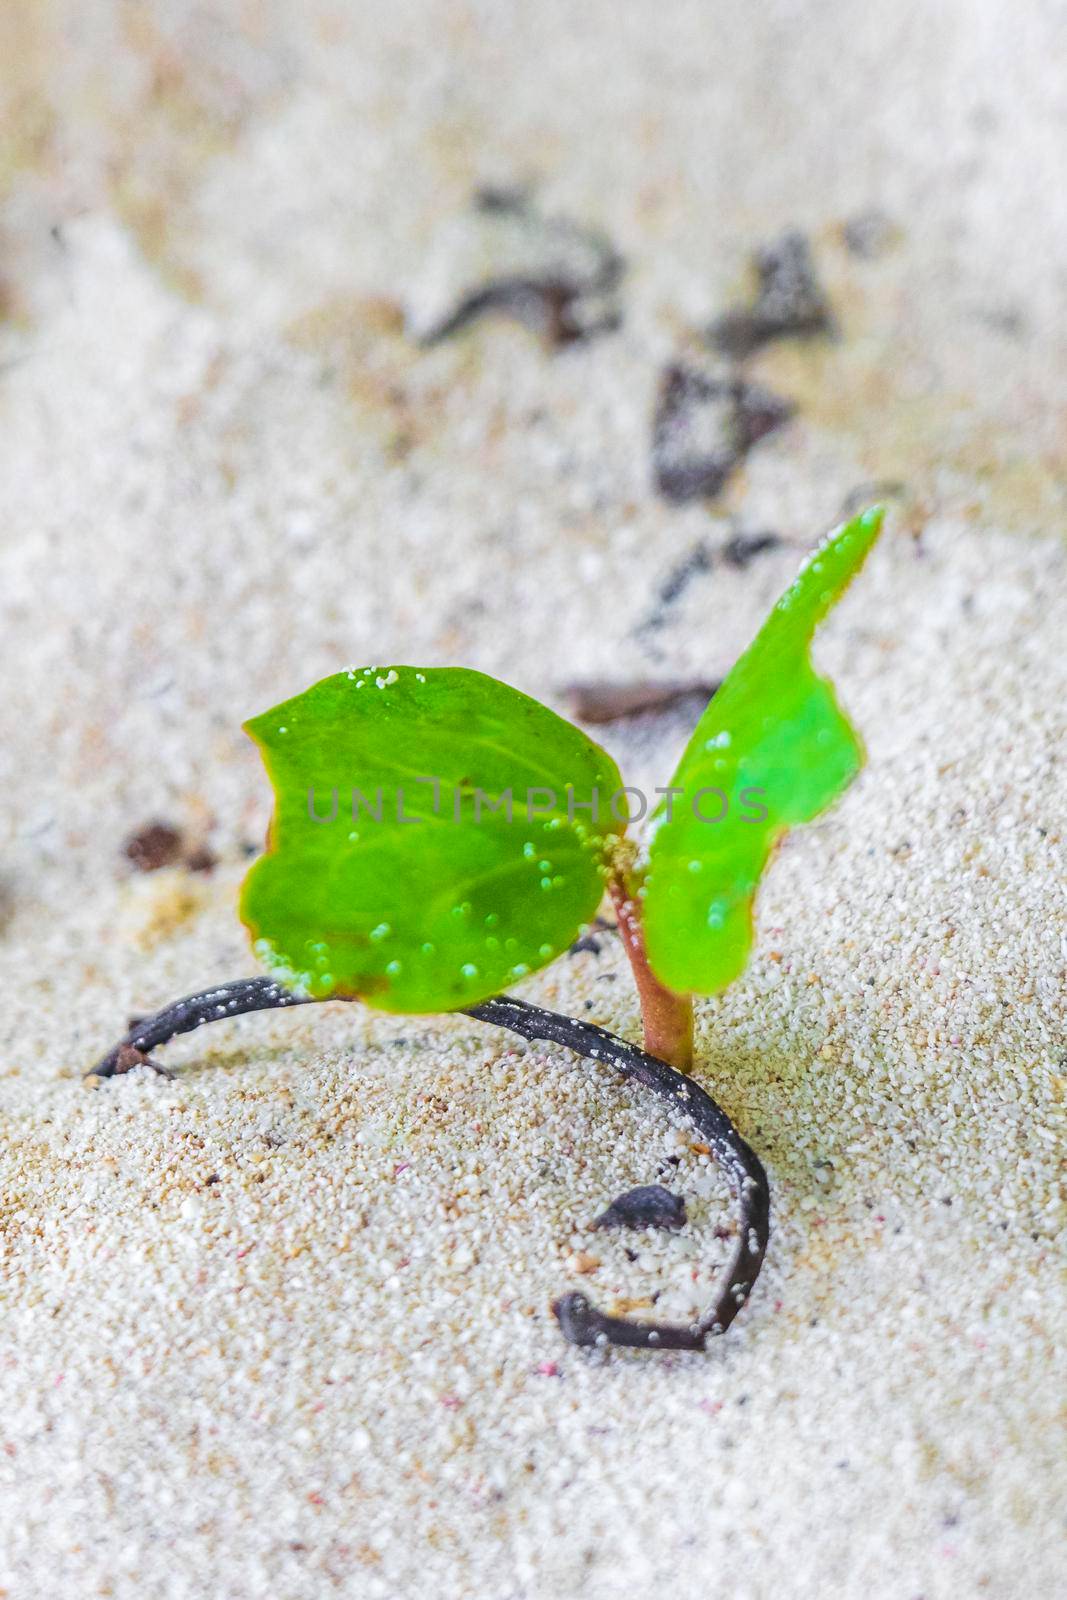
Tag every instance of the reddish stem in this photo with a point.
(667, 1017)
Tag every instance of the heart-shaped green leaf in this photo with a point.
(772, 749)
(395, 872)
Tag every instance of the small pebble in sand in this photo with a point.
(582, 1262)
(648, 1206)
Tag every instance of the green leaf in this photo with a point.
(418, 911)
(773, 727)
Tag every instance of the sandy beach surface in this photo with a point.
(279, 1327)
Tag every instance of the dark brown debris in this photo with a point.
(737, 552)
(553, 276)
(158, 845)
(694, 565)
(600, 702)
(1007, 320)
(551, 307)
(153, 846)
(870, 234)
(704, 427)
(697, 563)
(743, 548)
(201, 859)
(789, 301)
(649, 1206)
(501, 199)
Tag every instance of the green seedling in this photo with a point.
(438, 837)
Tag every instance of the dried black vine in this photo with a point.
(580, 1321)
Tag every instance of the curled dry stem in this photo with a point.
(580, 1321)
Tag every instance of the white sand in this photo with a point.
(279, 1328)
